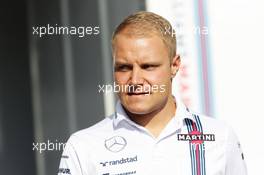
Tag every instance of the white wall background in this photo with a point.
(236, 38)
(237, 50)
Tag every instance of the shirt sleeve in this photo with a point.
(235, 163)
(70, 162)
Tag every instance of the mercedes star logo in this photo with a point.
(115, 144)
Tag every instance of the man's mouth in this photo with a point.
(138, 93)
(137, 90)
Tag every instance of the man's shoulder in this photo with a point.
(213, 122)
(213, 125)
(96, 131)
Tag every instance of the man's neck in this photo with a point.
(156, 121)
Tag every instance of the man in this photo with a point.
(151, 132)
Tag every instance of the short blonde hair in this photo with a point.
(146, 24)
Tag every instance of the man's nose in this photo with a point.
(136, 76)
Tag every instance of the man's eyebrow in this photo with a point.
(150, 63)
(121, 63)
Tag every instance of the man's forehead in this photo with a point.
(136, 45)
(149, 49)
(136, 36)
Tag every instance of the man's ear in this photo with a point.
(175, 65)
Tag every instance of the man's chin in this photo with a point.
(138, 112)
(138, 109)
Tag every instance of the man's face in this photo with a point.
(143, 68)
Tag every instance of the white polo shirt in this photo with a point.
(190, 144)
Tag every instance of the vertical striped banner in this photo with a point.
(193, 83)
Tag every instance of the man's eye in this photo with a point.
(148, 66)
(122, 68)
